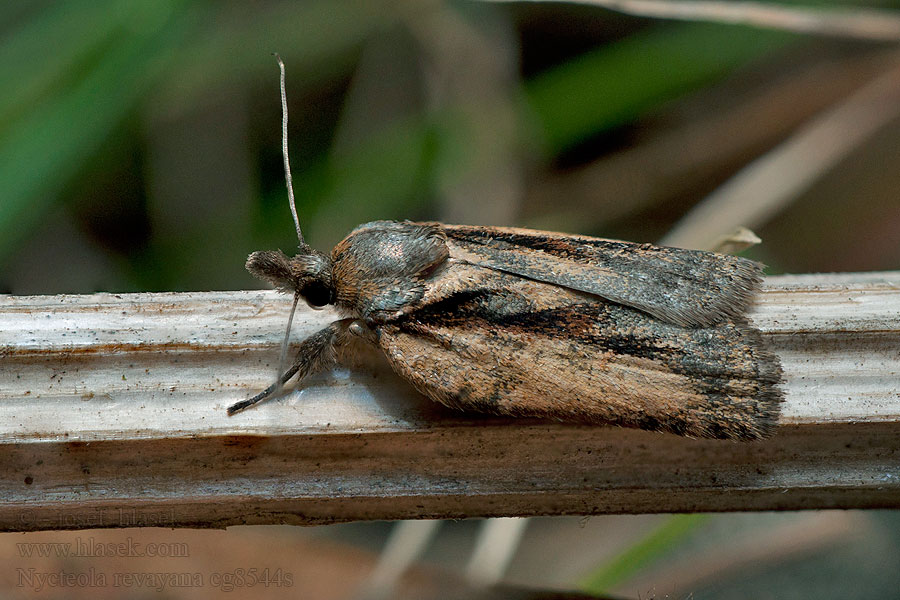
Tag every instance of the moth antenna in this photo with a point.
(284, 149)
(282, 361)
(281, 376)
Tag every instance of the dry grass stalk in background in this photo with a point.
(768, 184)
(861, 23)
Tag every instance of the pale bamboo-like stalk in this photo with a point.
(112, 413)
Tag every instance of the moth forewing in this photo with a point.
(685, 287)
(496, 342)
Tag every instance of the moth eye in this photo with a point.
(317, 294)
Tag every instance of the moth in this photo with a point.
(520, 322)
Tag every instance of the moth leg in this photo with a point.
(359, 328)
(316, 353)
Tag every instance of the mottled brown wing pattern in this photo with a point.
(512, 346)
(685, 287)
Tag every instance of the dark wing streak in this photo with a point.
(684, 287)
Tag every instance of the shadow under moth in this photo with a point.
(520, 322)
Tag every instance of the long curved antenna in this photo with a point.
(280, 379)
(282, 361)
(284, 149)
(281, 376)
(290, 188)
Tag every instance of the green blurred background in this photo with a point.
(140, 150)
(140, 139)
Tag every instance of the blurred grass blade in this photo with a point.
(619, 82)
(44, 148)
(655, 545)
(318, 39)
(45, 50)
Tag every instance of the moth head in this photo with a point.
(307, 274)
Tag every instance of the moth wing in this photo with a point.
(511, 346)
(684, 287)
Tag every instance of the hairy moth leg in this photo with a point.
(316, 353)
